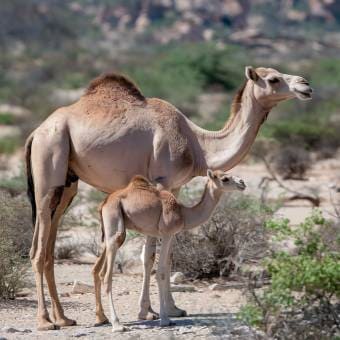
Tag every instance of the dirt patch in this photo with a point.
(211, 314)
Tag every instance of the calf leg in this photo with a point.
(148, 258)
(162, 278)
(101, 318)
(114, 231)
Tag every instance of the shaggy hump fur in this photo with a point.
(115, 82)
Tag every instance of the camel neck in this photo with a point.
(201, 212)
(225, 148)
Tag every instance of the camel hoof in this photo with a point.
(177, 312)
(119, 329)
(149, 316)
(101, 323)
(47, 326)
(65, 322)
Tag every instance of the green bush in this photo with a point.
(304, 286)
(6, 118)
(180, 73)
(9, 144)
(308, 133)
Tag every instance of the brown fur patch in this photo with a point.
(236, 103)
(120, 238)
(56, 198)
(119, 86)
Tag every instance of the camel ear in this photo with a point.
(251, 73)
(210, 174)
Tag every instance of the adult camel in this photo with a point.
(113, 133)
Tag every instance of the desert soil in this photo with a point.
(211, 314)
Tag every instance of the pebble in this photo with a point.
(177, 277)
(81, 288)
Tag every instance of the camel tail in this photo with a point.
(30, 184)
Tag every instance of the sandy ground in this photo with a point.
(211, 314)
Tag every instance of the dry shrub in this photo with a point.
(15, 242)
(234, 235)
(67, 248)
(292, 162)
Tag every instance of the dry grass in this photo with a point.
(15, 242)
(234, 235)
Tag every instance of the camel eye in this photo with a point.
(225, 179)
(274, 80)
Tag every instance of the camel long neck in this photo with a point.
(201, 212)
(223, 149)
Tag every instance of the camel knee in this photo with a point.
(161, 276)
(38, 262)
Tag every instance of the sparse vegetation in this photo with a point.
(9, 144)
(292, 162)
(302, 300)
(15, 241)
(234, 235)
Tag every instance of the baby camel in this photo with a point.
(142, 207)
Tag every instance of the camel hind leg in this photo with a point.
(57, 311)
(48, 163)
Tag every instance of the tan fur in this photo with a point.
(116, 87)
(140, 206)
(113, 133)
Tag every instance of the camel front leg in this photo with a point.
(148, 258)
(57, 311)
(172, 309)
(38, 255)
(101, 318)
(162, 279)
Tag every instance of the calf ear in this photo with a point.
(251, 73)
(210, 174)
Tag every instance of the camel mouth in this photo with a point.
(303, 95)
(303, 91)
(241, 186)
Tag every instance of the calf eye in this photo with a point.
(274, 80)
(225, 179)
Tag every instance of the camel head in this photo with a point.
(224, 182)
(271, 86)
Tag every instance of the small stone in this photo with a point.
(26, 330)
(24, 292)
(231, 285)
(81, 288)
(182, 288)
(80, 334)
(177, 277)
(216, 286)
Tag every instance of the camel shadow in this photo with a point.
(212, 320)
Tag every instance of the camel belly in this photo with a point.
(109, 165)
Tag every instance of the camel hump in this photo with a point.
(140, 181)
(116, 87)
